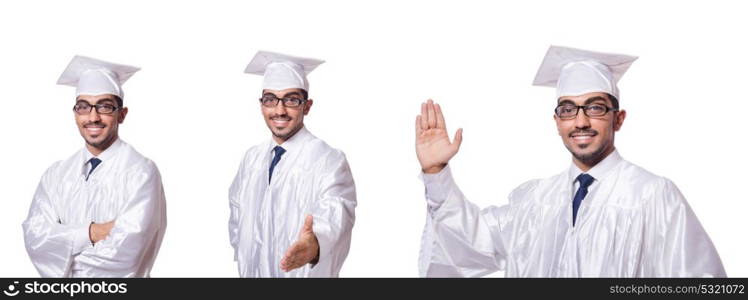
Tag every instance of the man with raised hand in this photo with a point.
(602, 217)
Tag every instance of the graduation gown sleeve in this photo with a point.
(333, 214)
(137, 232)
(235, 209)
(679, 245)
(50, 244)
(459, 239)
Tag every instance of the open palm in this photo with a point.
(433, 147)
(304, 250)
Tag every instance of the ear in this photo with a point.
(558, 127)
(308, 106)
(122, 115)
(620, 116)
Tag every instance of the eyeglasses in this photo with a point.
(272, 101)
(568, 111)
(85, 108)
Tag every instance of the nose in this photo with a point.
(280, 109)
(582, 120)
(93, 115)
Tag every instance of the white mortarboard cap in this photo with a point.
(576, 72)
(282, 71)
(95, 77)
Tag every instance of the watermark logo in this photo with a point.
(12, 290)
(66, 288)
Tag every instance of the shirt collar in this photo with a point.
(600, 170)
(293, 143)
(105, 155)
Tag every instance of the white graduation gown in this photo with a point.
(125, 187)
(311, 179)
(632, 223)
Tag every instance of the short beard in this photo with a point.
(590, 159)
(105, 143)
(290, 134)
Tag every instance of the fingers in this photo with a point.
(431, 117)
(440, 123)
(108, 227)
(291, 259)
(295, 256)
(424, 117)
(457, 141)
(431, 114)
(288, 257)
(99, 232)
(284, 265)
(308, 224)
(418, 125)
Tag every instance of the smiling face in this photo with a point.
(284, 121)
(589, 139)
(97, 129)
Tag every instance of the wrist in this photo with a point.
(434, 169)
(315, 260)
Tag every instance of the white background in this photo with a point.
(194, 112)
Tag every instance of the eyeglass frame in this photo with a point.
(583, 108)
(284, 100)
(96, 106)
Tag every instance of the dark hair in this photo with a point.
(303, 92)
(119, 101)
(613, 101)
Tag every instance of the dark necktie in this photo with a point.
(278, 152)
(584, 182)
(94, 163)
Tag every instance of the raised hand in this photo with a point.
(433, 148)
(304, 250)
